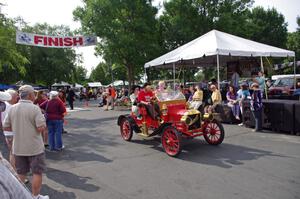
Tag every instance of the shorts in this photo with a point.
(36, 163)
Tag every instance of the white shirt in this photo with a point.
(8, 106)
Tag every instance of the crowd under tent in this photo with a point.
(216, 48)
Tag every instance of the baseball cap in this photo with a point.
(4, 96)
(53, 93)
(26, 88)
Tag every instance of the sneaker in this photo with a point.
(41, 197)
(139, 117)
(241, 124)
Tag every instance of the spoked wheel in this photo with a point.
(171, 141)
(126, 129)
(214, 133)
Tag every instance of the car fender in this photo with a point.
(162, 126)
(131, 120)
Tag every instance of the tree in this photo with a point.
(12, 62)
(267, 26)
(101, 74)
(126, 29)
(185, 20)
(293, 40)
(79, 75)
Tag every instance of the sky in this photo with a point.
(57, 12)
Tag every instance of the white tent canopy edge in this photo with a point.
(213, 44)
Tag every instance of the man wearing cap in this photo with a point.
(27, 122)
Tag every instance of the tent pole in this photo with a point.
(295, 72)
(218, 70)
(174, 75)
(262, 69)
(145, 75)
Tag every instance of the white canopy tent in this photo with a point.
(61, 84)
(94, 84)
(78, 85)
(216, 47)
(120, 83)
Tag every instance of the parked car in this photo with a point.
(283, 87)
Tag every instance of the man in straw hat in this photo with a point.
(27, 121)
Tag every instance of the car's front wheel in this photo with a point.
(171, 141)
(126, 129)
(214, 133)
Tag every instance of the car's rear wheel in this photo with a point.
(214, 133)
(171, 141)
(126, 129)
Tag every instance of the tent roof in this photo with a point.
(94, 84)
(61, 84)
(203, 49)
(78, 85)
(119, 83)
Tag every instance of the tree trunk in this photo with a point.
(130, 76)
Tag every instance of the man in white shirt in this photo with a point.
(28, 122)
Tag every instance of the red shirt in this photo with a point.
(39, 101)
(55, 109)
(145, 96)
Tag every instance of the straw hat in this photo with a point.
(4, 96)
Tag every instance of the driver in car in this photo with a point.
(144, 98)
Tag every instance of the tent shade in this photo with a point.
(78, 85)
(204, 48)
(65, 84)
(119, 83)
(95, 84)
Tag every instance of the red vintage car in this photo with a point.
(176, 122)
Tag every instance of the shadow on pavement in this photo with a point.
(46, 190)
(91, 139)
(76, 155)
(225, 155)
(77, 123)
(71, 180)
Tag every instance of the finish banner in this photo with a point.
(54, 41)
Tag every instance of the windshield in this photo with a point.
(283, 82)
(168, 95)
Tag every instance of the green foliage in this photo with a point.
(12, 62)
(293, 40)
(126, 29)
(267, 26)
(101, 74)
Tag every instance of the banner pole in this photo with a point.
(295, 73)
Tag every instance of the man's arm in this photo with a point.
(41, 129)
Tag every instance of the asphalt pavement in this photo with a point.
(97, 163)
